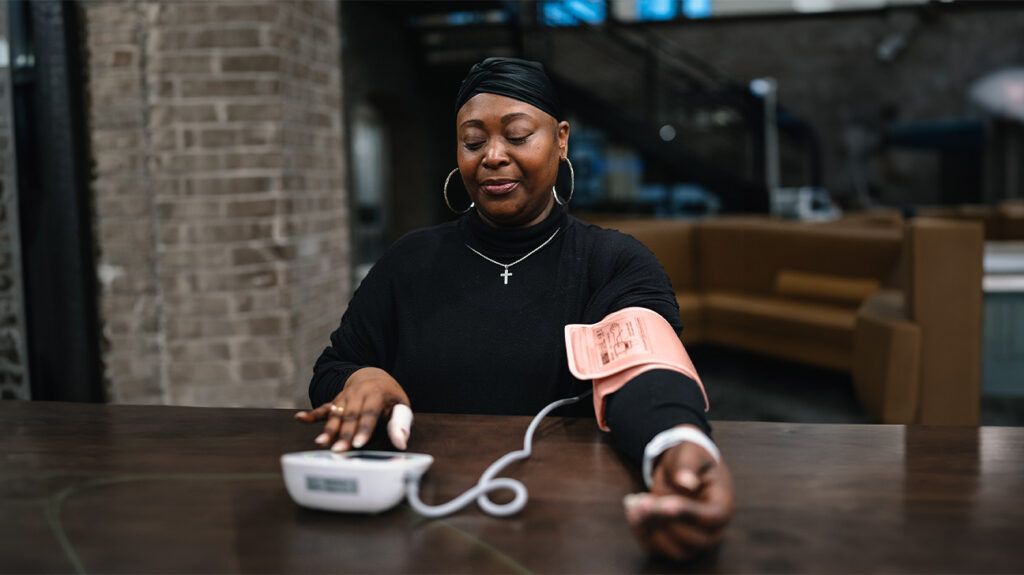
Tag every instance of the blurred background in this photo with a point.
(191, 190)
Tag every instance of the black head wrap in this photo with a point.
(522, 80)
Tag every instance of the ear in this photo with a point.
(563, 139)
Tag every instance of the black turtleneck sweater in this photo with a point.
(442, 321)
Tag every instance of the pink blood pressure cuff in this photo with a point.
(620, 347)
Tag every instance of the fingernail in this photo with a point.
(637, 507)
(633, 505)
(339, 446)
(359, 441)
(632, 499)
(687, 479)
(639, 502)
(322, 438)
(300, 415)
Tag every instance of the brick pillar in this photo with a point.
(220, 211)
(14, 382)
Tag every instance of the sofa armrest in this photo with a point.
(886, 358)
(944, 299)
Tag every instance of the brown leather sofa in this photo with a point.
(873, 300)
(1002, 222)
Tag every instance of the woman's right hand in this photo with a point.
(352, 416)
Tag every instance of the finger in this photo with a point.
(400, 426)
(643, 536)
(692, 537)
(314, 414)
(669, 506)
(349, 422)
(681, 541)
(716, 509)
(718, 486)
(372, 408)
(706, 515)
(631, 504)
(635, 506)
(665, 544)
(664, 534)
(643, 532)
(332, 426)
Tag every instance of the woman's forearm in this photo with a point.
(649, 404)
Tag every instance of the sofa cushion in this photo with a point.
(841, 290)
(817, 352)
(744, 255)
(784, 317)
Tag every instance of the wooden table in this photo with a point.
(124, 489)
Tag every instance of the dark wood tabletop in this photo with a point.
(132, 489)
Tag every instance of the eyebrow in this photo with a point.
(504, 119)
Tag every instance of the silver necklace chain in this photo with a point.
(507, 274)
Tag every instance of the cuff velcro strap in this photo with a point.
(621, 346)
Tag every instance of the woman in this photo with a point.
(468, 316)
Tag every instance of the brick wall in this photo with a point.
(14, 382)
(220, 211)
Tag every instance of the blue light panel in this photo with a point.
(656, 9)
(573, 12)
(697, 8)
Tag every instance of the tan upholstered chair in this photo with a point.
(897, 306)
(917, 351)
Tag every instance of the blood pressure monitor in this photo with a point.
(373, 481)
(354, 481)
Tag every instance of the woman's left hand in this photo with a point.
(688, 507)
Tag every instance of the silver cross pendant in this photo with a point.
(506, 274)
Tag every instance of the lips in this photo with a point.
(498, 187)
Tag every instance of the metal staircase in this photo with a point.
(634, 87)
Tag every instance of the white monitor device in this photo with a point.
(354, 481)
(373, 481)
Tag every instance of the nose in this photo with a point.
(496, 155)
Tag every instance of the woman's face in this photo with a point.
(508, 153)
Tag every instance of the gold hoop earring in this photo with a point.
(572, 186)
(445, 194)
